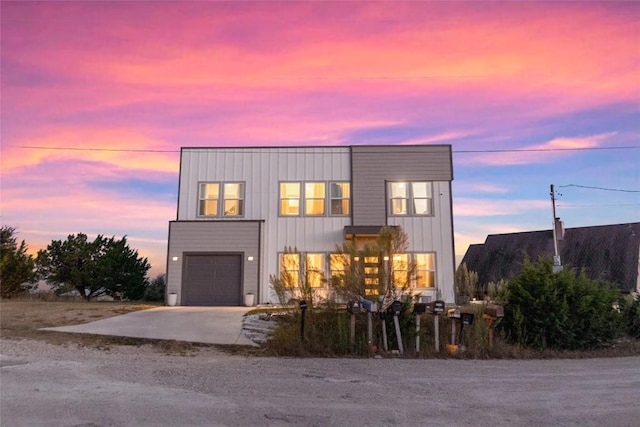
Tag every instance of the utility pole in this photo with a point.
(557, 264)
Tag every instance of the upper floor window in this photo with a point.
(340, 197)
(211, 198)
(314, 198)
(410, 198)
(290, 198)
(310, 198)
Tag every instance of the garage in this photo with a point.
(212, 279)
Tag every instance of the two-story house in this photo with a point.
(238, 208)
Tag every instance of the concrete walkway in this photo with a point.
(210, 325)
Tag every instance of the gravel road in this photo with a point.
(47, 385)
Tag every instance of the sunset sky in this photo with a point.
(98, 97)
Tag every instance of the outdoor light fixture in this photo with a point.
(356, 258)
(386, 258)
(175, 258)
(249, 258)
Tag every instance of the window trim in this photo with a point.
(410, 199)
(200, 200)
(302, 200)
(221, 199)
(241, 199)
(331, 199)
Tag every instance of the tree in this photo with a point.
(155, 289)
(17, 268)
(564, 310)
(105, 266)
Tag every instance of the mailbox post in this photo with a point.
(492, 314)
(418, 309)
(396, 308)
(354, 308)
(303, 309)
(454, 315)
(437, 308)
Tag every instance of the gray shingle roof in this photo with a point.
(607, 252)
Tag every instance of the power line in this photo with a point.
(599, 188)
(511, 150)
(562, 205)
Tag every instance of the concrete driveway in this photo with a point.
(210, 325)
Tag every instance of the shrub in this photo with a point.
(564, 310)
(630, 309)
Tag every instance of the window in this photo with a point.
(209, 196)
(233, 199)
(338, 265)
(400, 270)
(425, 270)
(410, 198)
(315, 270)
(289, 198)
(314, 198)
(290, 269)
(232, 195)
(340, 196)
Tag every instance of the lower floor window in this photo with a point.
(416, 270)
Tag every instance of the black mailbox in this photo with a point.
(420, 308)
(354, 307)
(437, 307)
(395, 308)
(303, 305)
(466, 318)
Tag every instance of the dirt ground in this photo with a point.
(71, 385)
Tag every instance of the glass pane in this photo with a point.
(422, 206)
(290, 207)
(400, 278)
(232, 207)
(399, 207)
(289, 269)
(208, 207)
(340, 190)
(340, 207)
(314, 190)
(290, 190)
(398, 189)
(421, 189)
(315, 262)
(209, 190)
(314, 207)
(338, 262)
(371, 260)
(425, 279)
(233, 191)
(425, 262)
(400, 261)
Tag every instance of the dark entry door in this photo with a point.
(213, 279)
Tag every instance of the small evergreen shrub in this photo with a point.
(564, 311)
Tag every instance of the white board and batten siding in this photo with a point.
(262, 170)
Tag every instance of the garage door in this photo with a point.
(213, 279)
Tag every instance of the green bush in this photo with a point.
(564, 310)
(630, 309)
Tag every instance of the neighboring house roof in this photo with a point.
(607, 252)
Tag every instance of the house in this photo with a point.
(238, 208)
(607, 252)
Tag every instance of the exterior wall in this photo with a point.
(243, 237)
(434, 234)
(262, 170)
(368, 168)
(374, 165)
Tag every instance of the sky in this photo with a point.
(98, 97)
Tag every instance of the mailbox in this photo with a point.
(369, 306)
(494, 310)
(303, 305)
(354, 307)
(420, 308)
(437, 307)
(466, 318)
(454, 313)
(395, 308)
